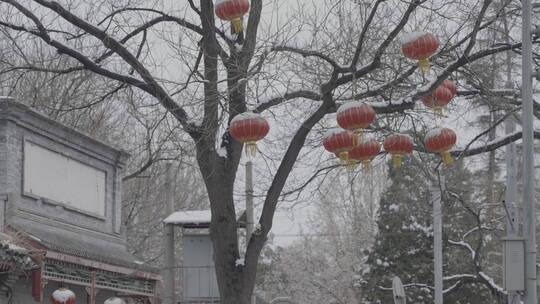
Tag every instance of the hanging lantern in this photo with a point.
(440, 97)
(248, 128)
(449, 84)
(365, 152)
(420, 46)
(441, 140)
(398, 145)
(63, 296)
(233, 11)
(355, 116)
(339, 142)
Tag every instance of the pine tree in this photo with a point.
(404, 244)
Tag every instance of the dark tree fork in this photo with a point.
(235, 282)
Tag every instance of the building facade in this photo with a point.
(60, 199)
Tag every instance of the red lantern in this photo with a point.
(248, 128)
(63, 296)
(398, 145)
(441, 96)
(420, 46)
(449, 84)
(365, 152)
(355, 116)
(339, 142)
(441, 140)
(233, 11)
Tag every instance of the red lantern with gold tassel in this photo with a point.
(248, 128)
(441, 140)
(339, 142)
(365, 152)
(63, 296)
(441, 96)
(355, 116)
(398, 145)
(420, 46)
(233, 11)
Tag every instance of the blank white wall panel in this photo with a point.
(62, 179)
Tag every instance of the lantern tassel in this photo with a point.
(344, 158)
(251, 150)
(366, 165)
(438, 112)
(358, 136)
(447, 157)
(424, 65)
(350, 165)
(238, 27)
(397, 160)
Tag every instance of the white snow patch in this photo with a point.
(332, 132)
(62, 295)
(349, 105)
(222, 152)
(244, 116)
(410, 37)
(393, 207)
(189, 217)
(114, 300)
(433, 133)
(240, 262)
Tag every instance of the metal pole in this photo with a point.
(437, 240)
(168, 278)
(529, 210)
(249, 210)
(511, 185)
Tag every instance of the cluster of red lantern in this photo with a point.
(350, 148)
(347, 143)
(420, 46)
(248, 128)
(233, 11)
(63, 296)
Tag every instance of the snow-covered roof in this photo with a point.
(189, 217)
(198, 219)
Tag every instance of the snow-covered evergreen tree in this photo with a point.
(404, 244)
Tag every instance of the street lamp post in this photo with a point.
(529, 208)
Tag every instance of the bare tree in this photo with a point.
(299, 71)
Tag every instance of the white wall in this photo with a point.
(62, 179)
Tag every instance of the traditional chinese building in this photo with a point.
(60, 200)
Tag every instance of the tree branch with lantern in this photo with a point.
(366, 67)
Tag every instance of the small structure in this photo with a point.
(60, 200)
(198, 272)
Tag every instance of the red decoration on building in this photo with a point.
(420, 46)
(63, 296)
(441, 140)
(365, 152)
(398, 145)
(248, 128)
(339, 142)
(441, 96)
(355, 116)
(233, 11)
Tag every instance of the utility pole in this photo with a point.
(529, 208)
(249, 210)
(436, 195)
